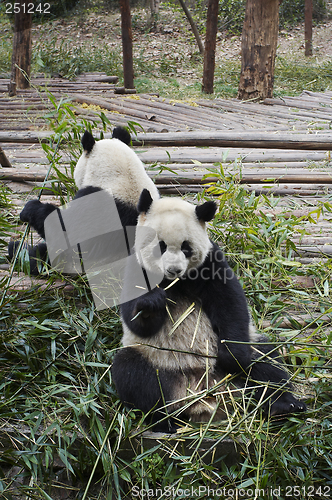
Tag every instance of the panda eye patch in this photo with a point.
(186, 249)
(159, 249)
(163, 246)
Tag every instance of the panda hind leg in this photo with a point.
(267, 368)
(140, 385)
(37, 255)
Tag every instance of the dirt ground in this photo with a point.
(173, 39)
(290, 43)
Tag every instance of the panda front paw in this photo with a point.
(30, 210)
(151, 303)
(35, 214)
(285, 404)
(145, 315)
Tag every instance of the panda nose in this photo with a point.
(173, 271)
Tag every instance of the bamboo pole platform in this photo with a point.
(277, 142)
(281, 146)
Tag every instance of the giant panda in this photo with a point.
(194, 329)
(109, 165)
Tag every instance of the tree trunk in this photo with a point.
(127, 45)
(193, 26)
(21, 57)
(210, 46)
(308, 7)
(259, 45)
(154, 7)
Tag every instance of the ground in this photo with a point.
(174, 33)
(170, 49)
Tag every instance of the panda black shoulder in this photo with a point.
(86, 190)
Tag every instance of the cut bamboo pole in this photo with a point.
(191, 178)
(250, 139)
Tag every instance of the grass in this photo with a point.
(62, 426)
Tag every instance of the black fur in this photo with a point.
(140, 386)
(37, 255)
(207, 211)
(145, 201)
(35, 213)
(152, 312)
(88, 141)
(85, 191)
(122, 134)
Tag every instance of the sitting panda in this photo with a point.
(193, 330)
(109, 165)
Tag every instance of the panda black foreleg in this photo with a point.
(267, 370)
(225, 304)
(35, 213)
(140, 385)
(146, 314)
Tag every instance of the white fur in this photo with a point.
(193, 335)
(174, 221)
(115, 167)
(195, 373)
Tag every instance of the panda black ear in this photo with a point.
(88, 141)
(206, 211)
(122, 134)
(145, 201)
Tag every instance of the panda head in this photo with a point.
(110, 164)
(178, 241)
(102, 160)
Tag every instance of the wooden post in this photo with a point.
(127, 45)
(259, 45)
(4, 162)
(308, 7)
(21, 57)
(210, 46)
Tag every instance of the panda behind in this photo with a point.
(108, 164)
(111, 165)
(193, 330)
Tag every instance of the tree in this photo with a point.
(259, 46)
(210, 46)
(308, 7)
(154, 6)
(193, 26)
(21, 57)
(127, 45)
